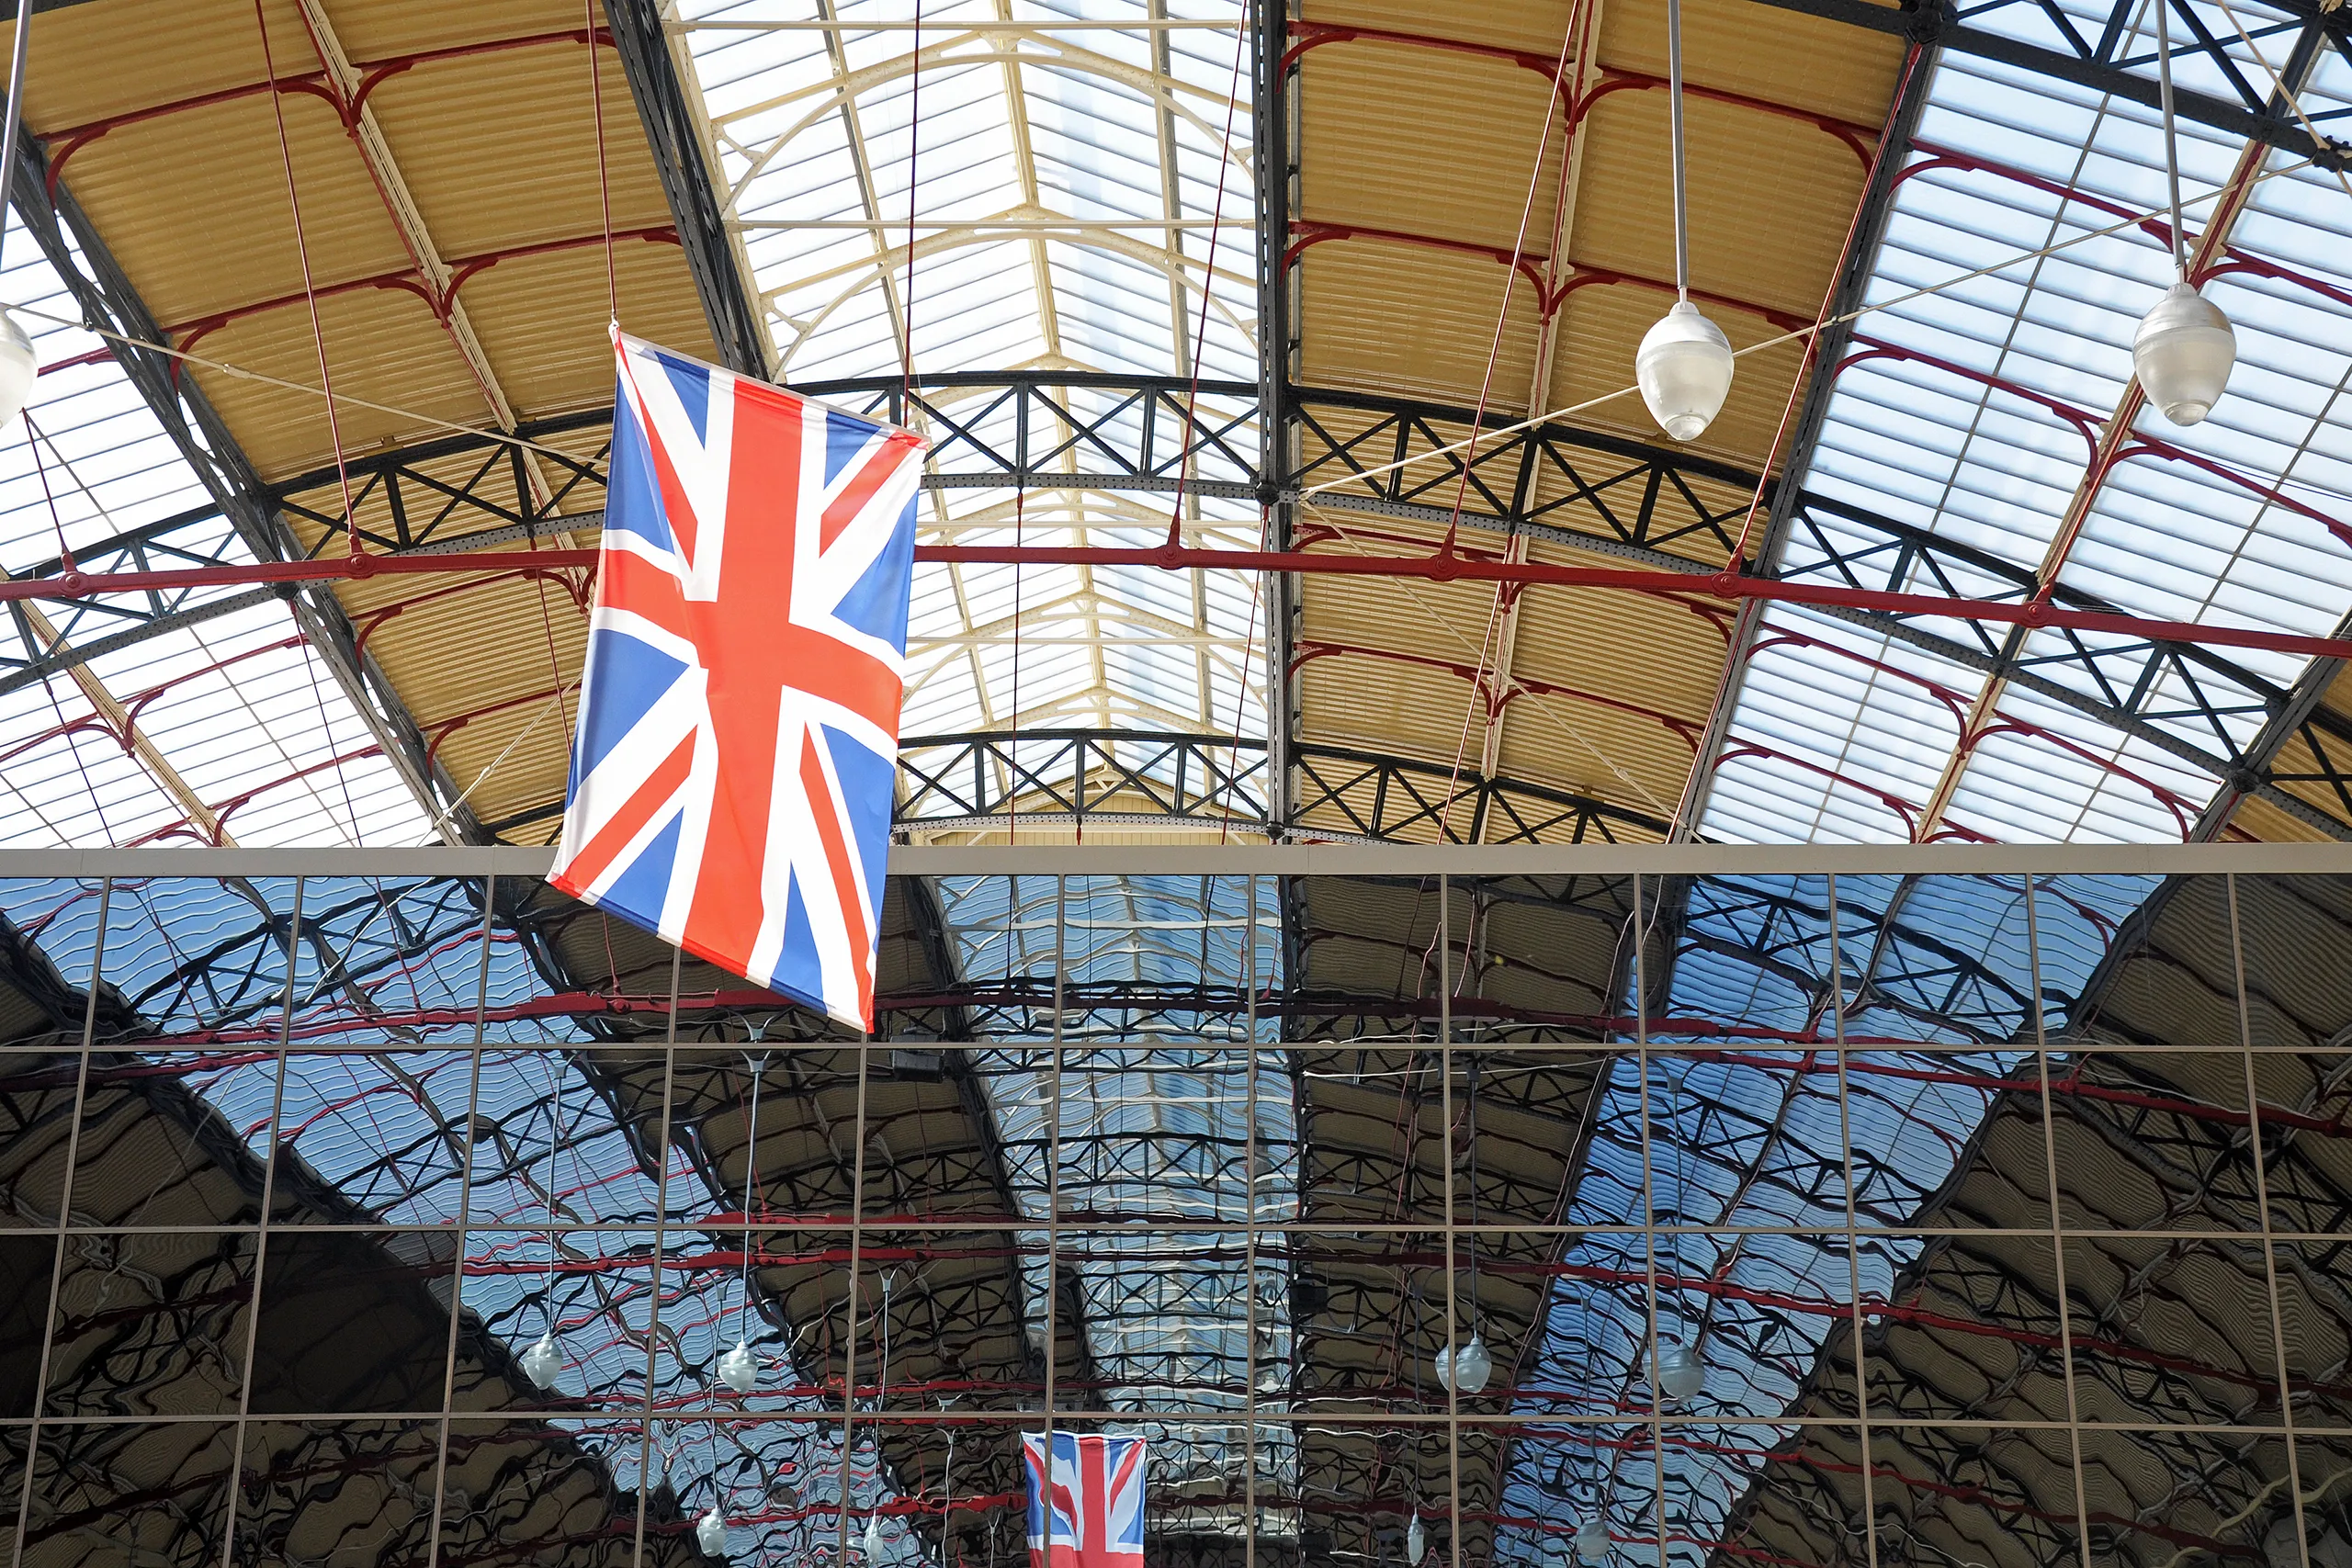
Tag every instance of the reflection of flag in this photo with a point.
(738, 715)
(1093, 1511)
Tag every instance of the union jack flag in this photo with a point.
(739, 711)
(1091, 1513)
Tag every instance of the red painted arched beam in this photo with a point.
(221, 812)
(408, 280)
(440, 729)
(2234, 258)
(1511, 688)
(1957, 705)
(64, 142)
(1305, 235)
(1861, 139)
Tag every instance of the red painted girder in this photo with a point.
(1427, 568)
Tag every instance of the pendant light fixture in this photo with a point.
(1592, 1540)
(1684, 365)
(18, 365)
(2184, 348)
(738, 1368)
(1680, 1372)
(873, 1538)
(710, 1532)
(1416, 1541)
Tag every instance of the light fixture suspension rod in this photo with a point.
(16, 112)
(2171, 146)
(555, 1133)
(751, 1179)
(1674, 111)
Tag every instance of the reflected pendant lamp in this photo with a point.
(710, 1532)
(738, 1368)
(1464, 1368)
(543, 1362)
(2184, 348)
(1684, 365)
(1592, 1540)
(1680, 1372)
(1416, 1542)
(873, 1541)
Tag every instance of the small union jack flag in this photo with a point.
(738, 715)
(1090, 1514)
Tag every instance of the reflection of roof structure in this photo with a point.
(160, 1323)
(2167, 1326)
(1138, 1084)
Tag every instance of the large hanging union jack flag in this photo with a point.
(1091, 1513)
(739, 713)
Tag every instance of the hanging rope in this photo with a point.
(1208, 284)
(310, 290)
(604, 175)
(1489, 640)
(915, 153)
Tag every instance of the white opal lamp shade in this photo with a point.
(710, 1533)
(2183, 354)
(1472, 1365)
(1684, 368)
(1681, 1374)
(17, 368)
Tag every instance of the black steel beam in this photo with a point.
(1606, 493)
(1075, 775)
(2101, 64)
(1275, 136)
(1152, 433)
(673, 134)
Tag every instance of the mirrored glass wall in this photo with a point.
(1817, 1220)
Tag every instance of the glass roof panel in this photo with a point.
(1073, 191)
(386, 1128)
(233, 718)
(1975, 413)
